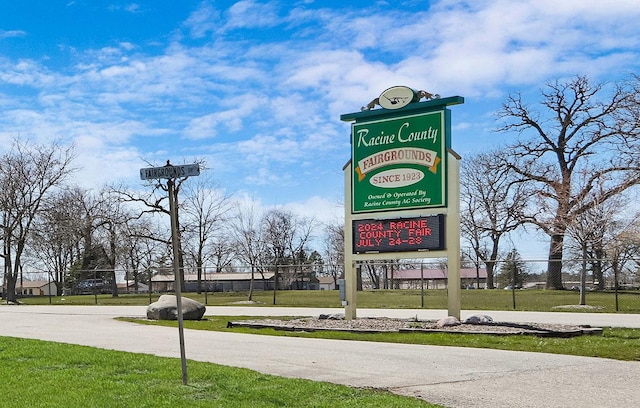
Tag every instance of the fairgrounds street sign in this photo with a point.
(170, 172)
(399, 163)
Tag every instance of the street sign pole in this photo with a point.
(178, 279)
(170, 173)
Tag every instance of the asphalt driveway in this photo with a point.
(454, 377)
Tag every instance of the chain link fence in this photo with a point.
(162, 280)
(405, 274)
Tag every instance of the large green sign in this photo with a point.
(399, 163)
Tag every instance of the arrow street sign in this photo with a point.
(170, 172)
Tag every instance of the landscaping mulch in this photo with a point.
(389, 325)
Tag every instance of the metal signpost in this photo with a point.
(170, 173)
(402, 187)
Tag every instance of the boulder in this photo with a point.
(336, 316)
(447, 322)
(478, 319)
(166, 308)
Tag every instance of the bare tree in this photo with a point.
(587, 232)
(598, 236)
(250, 247)
(622, 252)
(493, 200)
(373, 273)
(112, 228)
(334, 250)
(285, 236)
(97, 221)
(56, 238)
(205, 209)
(152, 202)
(75, 235)
(29, 173)
(141, 251)
(582, 128)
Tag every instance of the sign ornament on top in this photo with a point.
(398, 97)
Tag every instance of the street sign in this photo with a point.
(170, 171)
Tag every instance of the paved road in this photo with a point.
(453, 377)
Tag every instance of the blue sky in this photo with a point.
(256, 88)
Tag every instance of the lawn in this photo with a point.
(76, 376)
(526, 300)
(44, 374)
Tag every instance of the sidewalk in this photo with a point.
(453, 377)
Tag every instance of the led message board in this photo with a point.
(398, 235)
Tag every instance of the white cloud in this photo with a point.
(248, 13)
(257, 90)
(11, 34)
(323, 210)
(232, 119)
(132, 8)
(203, 21)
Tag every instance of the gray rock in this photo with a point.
(478, 319)
(166, 308)
(336, 316)
(447, 322)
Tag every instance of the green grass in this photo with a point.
(43, 374)
(615, 343)
(526, 300)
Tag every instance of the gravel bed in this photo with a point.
(380, 325)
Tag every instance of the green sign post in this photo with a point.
(399, 163)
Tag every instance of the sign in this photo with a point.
(399, 235)
(399, 163)
(397, 97)
(170, 171)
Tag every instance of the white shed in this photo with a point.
(36, 288)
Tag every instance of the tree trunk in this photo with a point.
(10, 288)
(113, 245)
(275, 283)
(253, 271)
(596, 267)
(554, 265)
(199, 277)
(373, 276)
(490, 265)
(583, 276)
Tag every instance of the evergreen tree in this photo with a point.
(513, 271)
